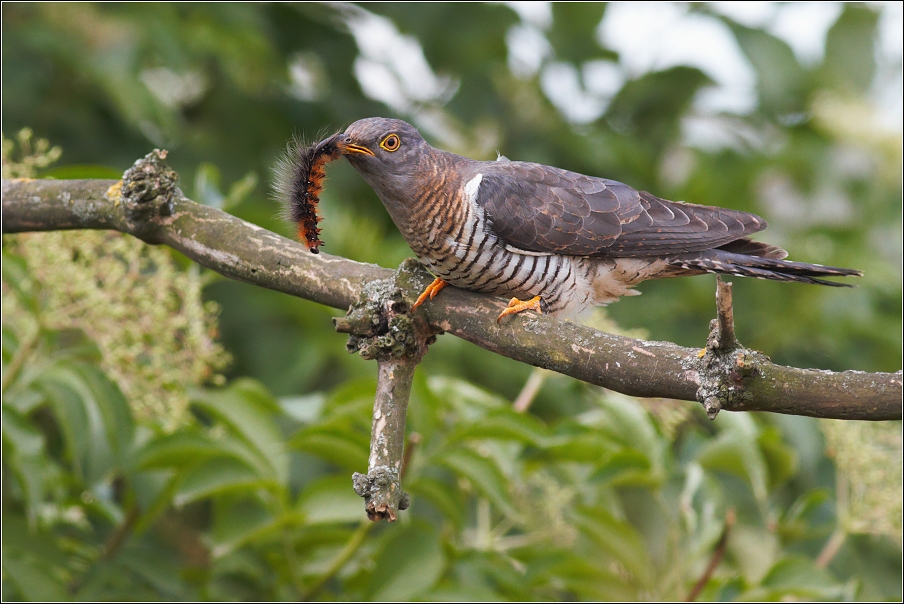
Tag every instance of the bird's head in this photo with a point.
(383, 148)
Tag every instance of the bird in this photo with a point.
(552, 240)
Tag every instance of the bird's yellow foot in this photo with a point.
(515, 306)
(430, 292)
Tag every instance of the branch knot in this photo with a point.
(382, 493)
(148, 188)
(380, 326)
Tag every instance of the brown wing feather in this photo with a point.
(544, 209)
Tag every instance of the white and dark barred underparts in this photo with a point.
(472, 257)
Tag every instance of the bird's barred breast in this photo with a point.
(460, 248)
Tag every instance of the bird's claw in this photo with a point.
(516, 306)
(430, 292)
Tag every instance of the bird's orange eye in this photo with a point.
(391, 143)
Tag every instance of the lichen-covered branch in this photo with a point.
(380, 327)
(381, 487)
(721, 383)
(249, 253)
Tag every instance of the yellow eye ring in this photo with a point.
(391, 143)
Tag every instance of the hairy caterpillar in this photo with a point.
(299, 182)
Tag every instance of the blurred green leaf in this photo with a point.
(654, 103)
(483, 473)
(588, 447)
(592, 582)
(217, 475)
(153, 494)
(850, 61)
(331, 499)
(735, 450)
(468, 399)
(798, 576)
(573, 31)
(15, 276)
(410, 563)
(23, 454)
(624, 468)
(34, 579)
(627, 422)
(237, 521)
(781, 459)
(240, 190)
(21, 541)
(177, 450)
(444, 496)
(156, 569)
(781, 81)
(94, 417)
(245, 406)
(756, 549)
(334, 444)
(504, 424)
(207, 186)
(799, 519)
(617, 538)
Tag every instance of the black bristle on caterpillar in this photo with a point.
(300, 189)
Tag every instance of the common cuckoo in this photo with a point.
(560, 240)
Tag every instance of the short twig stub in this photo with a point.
(725, 363)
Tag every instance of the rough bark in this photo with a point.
(380, 327)
(249, 253)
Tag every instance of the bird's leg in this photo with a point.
(430, 292)
(515, 306)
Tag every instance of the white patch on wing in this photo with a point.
(472, 187)
(516, 250)
(475, 213)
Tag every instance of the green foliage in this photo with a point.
(132, 471)
(155, 333)
(241, 500)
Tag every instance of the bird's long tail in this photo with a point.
(747, 258)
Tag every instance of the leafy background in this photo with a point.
(168, 434)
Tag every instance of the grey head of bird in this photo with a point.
(388, 153)
(402, 168)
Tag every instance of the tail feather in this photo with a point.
(749, 247)
(726, 262)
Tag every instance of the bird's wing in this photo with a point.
(544, 209)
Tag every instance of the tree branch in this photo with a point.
(380, 328)
(246, 252)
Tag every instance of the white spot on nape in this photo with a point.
(472, 187)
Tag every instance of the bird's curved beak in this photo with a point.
(349, 148)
